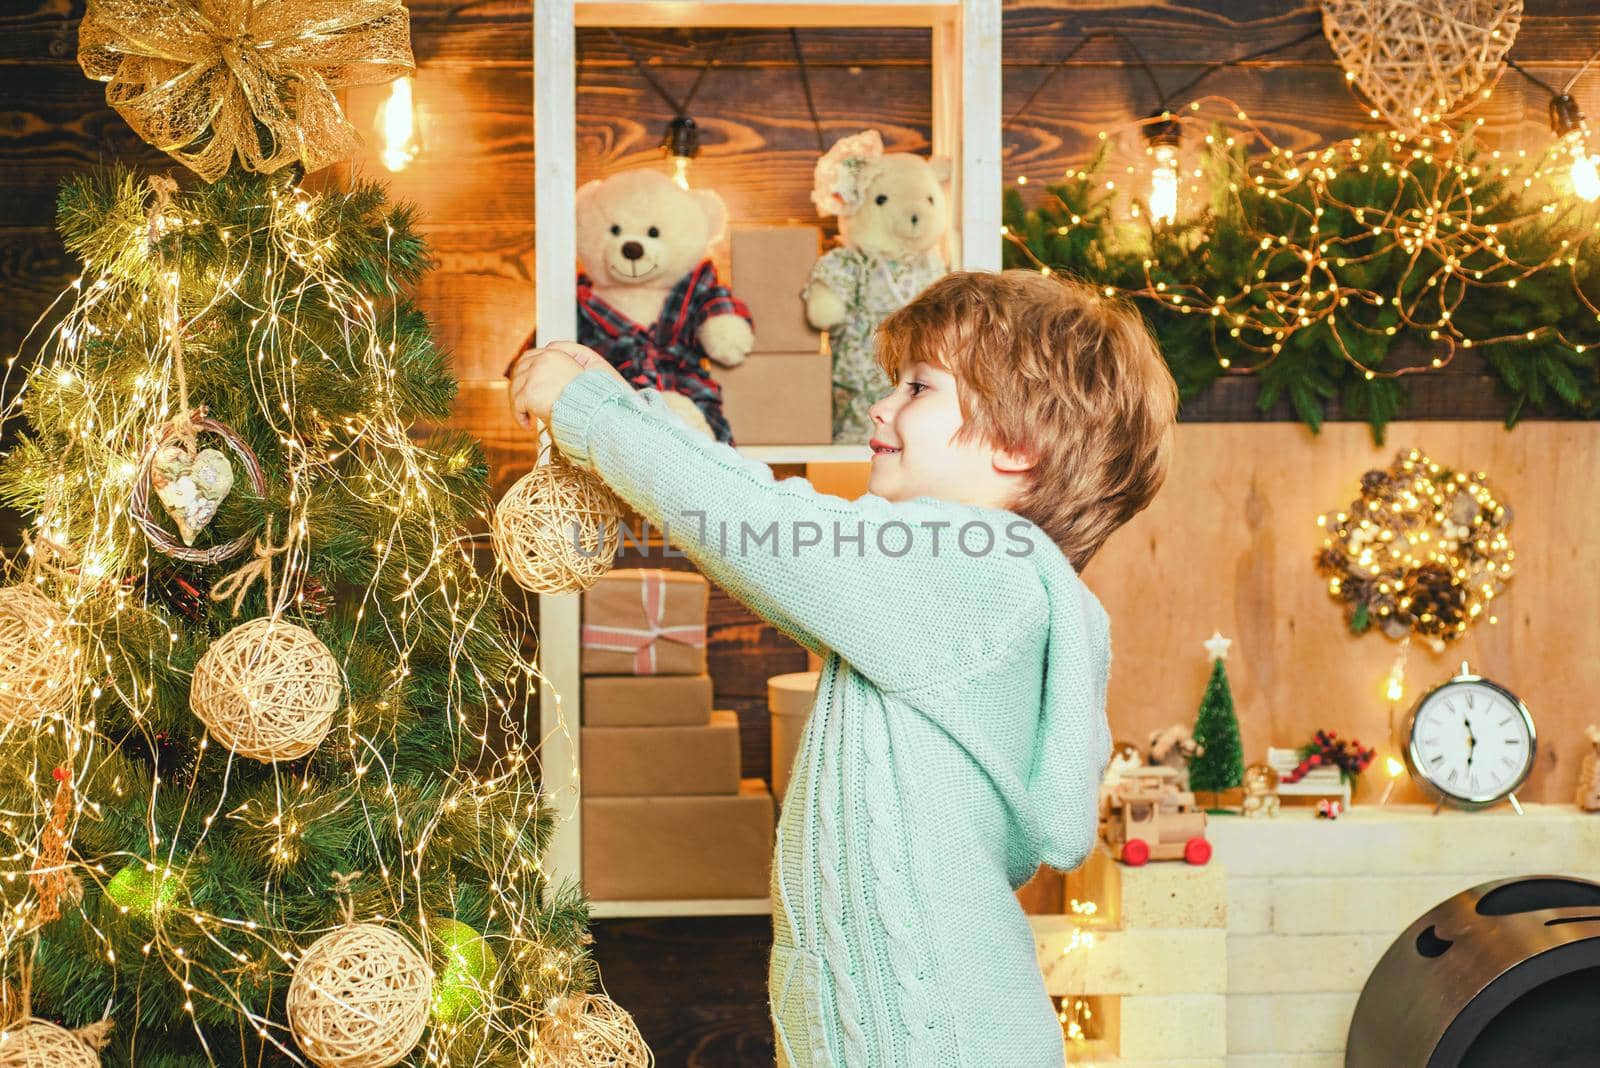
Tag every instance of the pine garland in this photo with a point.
(1336, 274)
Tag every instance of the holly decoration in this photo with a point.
(1327, 749)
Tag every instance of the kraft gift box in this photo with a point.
(646, 700)
(769, 266)
(779, 398)
(645, 621)
(654, 848)
(662, 761)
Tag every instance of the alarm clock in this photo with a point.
(1469, 742)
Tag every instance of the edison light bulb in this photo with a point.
(398, 119)
(680, 171)
(1164, 184)
(1585, 175)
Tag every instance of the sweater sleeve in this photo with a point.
(899, 590)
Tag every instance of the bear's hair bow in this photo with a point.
(839, 185)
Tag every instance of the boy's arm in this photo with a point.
(828, 572)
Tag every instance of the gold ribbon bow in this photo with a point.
(204, 80)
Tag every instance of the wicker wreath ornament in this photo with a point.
(1417, 61)
(268, 690)
(139, 502)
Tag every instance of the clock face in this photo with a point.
(1471, 741)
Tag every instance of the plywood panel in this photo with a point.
(1228, 545)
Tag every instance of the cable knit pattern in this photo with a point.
(903, 934)
(957, 741)
(836, 943)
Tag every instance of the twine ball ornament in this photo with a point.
(36, 656)
(592, 1031)
(558, 528)
(359, 998)
(268, 690)
(1417, 61)
(41, 1044)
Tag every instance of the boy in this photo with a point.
(959, 732)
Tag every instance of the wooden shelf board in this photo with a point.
(720, 906)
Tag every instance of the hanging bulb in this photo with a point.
(681, 143)
(1567, 123)
(397, 118)
(1164, 136)
(1585, 175)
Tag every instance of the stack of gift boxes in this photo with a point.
(665, 813)
(782, 394)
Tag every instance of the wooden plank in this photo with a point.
(696, 987)
(1557, 33)
(1234, 529)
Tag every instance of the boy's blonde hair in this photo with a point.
(1049, 368)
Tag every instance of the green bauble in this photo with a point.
(141, 891)
(464, 968)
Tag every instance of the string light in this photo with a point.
(1302, 275)
(1568, 124)
(681, 143)
(1164, 137)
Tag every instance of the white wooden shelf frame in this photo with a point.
(965, 127)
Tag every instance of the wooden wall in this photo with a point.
(1228, 543)
(474, 183)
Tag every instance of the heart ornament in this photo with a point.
(1416, 61)
(190, 484)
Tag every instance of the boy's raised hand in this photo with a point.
(539, 376)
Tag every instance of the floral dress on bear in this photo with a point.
(871, 287)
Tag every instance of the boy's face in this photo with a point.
(913, 454)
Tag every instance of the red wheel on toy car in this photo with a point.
(1135, 852)
(1197, 851)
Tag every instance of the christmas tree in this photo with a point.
(268, 793)
(1219, 764)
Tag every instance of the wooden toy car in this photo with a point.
(1147, 817)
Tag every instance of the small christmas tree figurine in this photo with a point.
(1219, 765)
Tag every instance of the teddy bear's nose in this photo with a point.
(913, 220)
(632, 249)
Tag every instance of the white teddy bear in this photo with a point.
(892, 218)
(649, 299)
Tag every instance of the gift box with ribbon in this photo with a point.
(645, 621)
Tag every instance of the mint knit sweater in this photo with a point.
(956, 742)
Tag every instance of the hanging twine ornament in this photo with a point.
(238, 582)
(41, 1044)
(208, 80)
(268, 690)
(592, 1031)
(37, 656)
(50, 877)
(1417, 61)
(29, 1042)
(190, 482)
(359, 996)
(558, 528)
